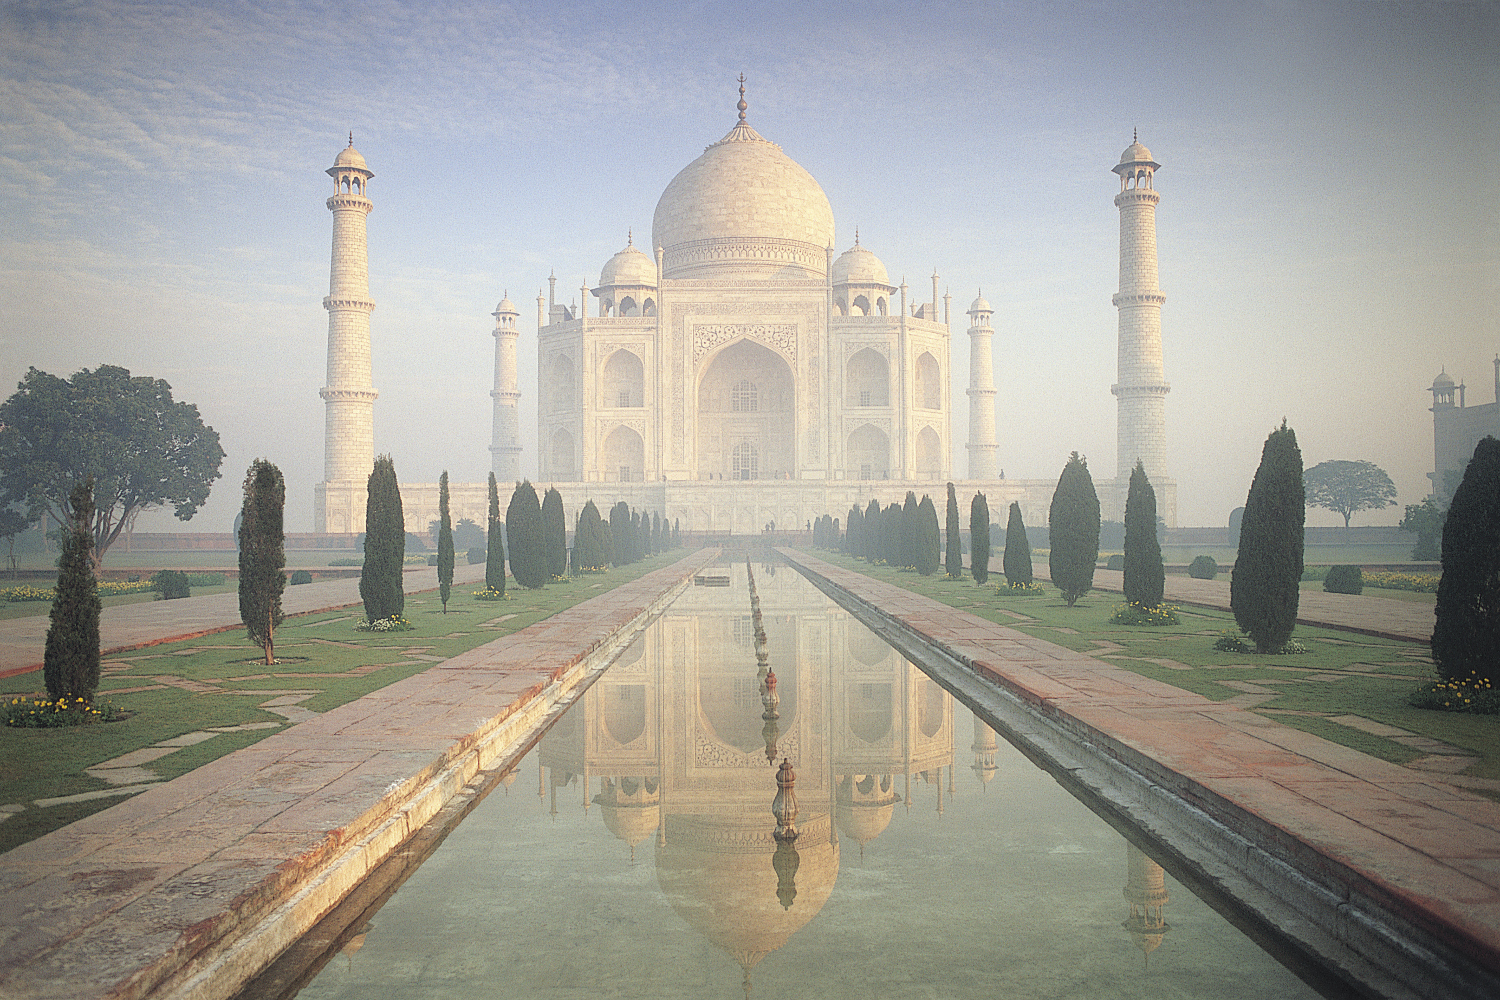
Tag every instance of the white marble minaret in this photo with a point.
(1142, 388)
(505, 439)
(349, 398)
(982, 445)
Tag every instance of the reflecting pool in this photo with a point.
(634, 852)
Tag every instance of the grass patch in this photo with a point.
(1342, 673)
(205, 683)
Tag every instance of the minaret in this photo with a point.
(1146, 892)
(1142, 388)
(349, 427)
(505, 439)
(981, 391)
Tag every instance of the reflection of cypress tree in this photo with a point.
(1017, 560)
(953, 563)
(70, 664)
(926, 561)
(385, 544)
(554, 534)
(1466, 638)
(445, 542)
(979, 538)
(494, 563)
(1145, 577)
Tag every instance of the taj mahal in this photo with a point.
(743, 372)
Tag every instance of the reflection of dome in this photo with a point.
(744, 207)
(628, 267)
(632, 809)
(859, 266)
(865, 806)
(717, 873)
(349, 157)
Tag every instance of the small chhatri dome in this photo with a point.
(1136, 154)
(981, 304)
(628, 267)
(1443, 379)
(506, 305)
(859, 266)
(349, 156)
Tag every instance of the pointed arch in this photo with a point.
(929, 382)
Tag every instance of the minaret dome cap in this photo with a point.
(349, 157)
(507, 306)
(1135, 155)
(981, 304)
(1443, 379)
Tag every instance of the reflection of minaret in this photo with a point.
(1146, 891)
(984, 751)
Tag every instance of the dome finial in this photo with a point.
(1135, 135)
(856, 236)
(351, 138)
(630, 237)
(742, 105)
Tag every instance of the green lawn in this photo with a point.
(1342, 674)
(220, 681)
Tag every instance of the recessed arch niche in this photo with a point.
(745, 397)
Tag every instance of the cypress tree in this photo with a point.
(928, 542)
(554, 534)
(979, 538)
(871, 541)
(676, 537)
(1466, 638)
(953, 561)
(1145, 576)
(263, 554)
(70, 663)
(1017, 559)
(838, 539)
(385, 544)
(445, 542)
(851, 531)
(1263, 587)
(523, 526)
(494, 562)
(1073, 530)
(910, 530)
(619, 531)
(588, 541)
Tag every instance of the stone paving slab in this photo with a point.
(1429, 851)
(181, 880)
(124, 627)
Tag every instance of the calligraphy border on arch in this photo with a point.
(781, 336)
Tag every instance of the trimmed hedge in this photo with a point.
(1343, 580)
(1203, 568)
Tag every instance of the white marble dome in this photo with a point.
(745, 209)
(859, 266)
(628, 267)
(349, 157)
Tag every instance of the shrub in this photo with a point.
(347, 561)
(1263, 590)
(1141, 614)
(300, 576)
(1419, 583)
(395, 623)
(38, 712)
(1115, 562)
(1466, 636)
(171, 585)
(476, 555)
(1203, 568)
(590, 546)
(1019, 589)
(432, 560)
(1074, 531)
(1343, 580)
(205, 579)
(1233, 641)
(1474, 695)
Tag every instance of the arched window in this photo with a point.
(929, 383)
(745, 460)
(627, 307)
(561, 464)
(560, 381)
(648, 308)
(880, 306)
(929, 454)
(867, 379)
(624, 380)
(744, 397)
(861, 306)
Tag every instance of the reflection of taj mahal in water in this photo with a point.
(673, 745)
(740, 370)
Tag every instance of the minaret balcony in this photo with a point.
(1139, 299)
(362, 305)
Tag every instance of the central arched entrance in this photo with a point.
(746, 425)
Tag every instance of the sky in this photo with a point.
(1328, 231)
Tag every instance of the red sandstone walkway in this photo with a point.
(130, 626)
(1425, 848)
(146, 895)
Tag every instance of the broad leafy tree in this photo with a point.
(444, 542)
(979, 538)
(1466, 638)
(262, 555)
(927, 542)
(523, 527)
(1425, 520)
(1348, 487)
(385, 544)
(1145, 576)
(953, 556)
(13, 521)
(467, 535)
(1263, 587)
(1017, 559)
(70, 665)
(1073, 531)
(142, 449)
(494, 561)
(554, 533)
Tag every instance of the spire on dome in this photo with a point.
(742, 105)
(630, 237)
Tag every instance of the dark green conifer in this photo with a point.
(1017, 558)
(262, 555)
(910, 531)
(1264, 585)
(588, 541)
(871, 542)
(554, 534)
(953, 561)
(445, 543)
(979, 538)
(1466, 638)
(494, 561)
(523, 529)
(1073, 531)
(1145, 576)
(70, 664)
(928, 544)
(385, 544)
